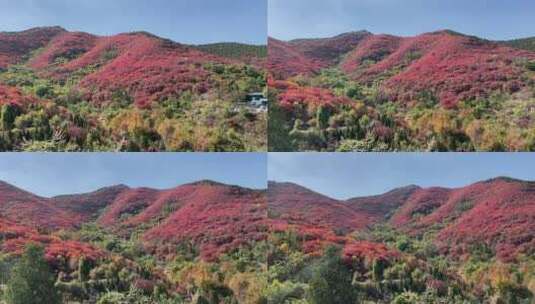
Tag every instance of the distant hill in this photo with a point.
(234, 50)
(524, 43)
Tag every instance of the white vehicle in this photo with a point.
(257, 100)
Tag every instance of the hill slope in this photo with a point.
(147, 67)
(215, 217)
(452, 66)
(127, 92)
(251, 54)
(498, 213)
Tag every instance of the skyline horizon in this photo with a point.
(399, 187)
(343, 176)
(401, 36)
(136, 187)
(296, 19)
(189, 22)
(134, 31)
(50, 175)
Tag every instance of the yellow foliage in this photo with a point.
(248, 287)
(129, 122)
(175, 135)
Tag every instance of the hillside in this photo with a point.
(140, 238)
(455, 215)
(436, 245)
(216, 217)
(523, 43)
(320, 221)
(124, 84)
(410, 65)
(437, 91)
(17, 46)
(251, 54)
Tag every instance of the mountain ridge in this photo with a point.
(452, 65)
(230, 215)
(455, 212)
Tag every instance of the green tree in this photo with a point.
(32, 281)
(378, 269)
(331, 281)
(279, 139)
(322, 116)
(8, 114)
(84, 267)
(44, 91)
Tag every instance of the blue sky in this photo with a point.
(65, 173)
(491, 19)
(186, 21)
(345, 175)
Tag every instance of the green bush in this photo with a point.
(32, 281)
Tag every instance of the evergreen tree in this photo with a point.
(279, 139)
(331, 282)
(32, 281)
(8, 114)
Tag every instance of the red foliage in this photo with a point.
(377, 206)
(30, 210)
(147, 67)
(68, 45)
(88, 205)
(12, 95)
(298, 205)
(499, 213)
(15, 237)
(320, 221)
(216, 217)
(310, 95)
(14, 46)
(369, 251)
(285, 61)
(307, 56)
(453, 66)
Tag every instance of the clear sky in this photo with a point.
(491, 19)
(186, 21)
(346, 175)
(66, 173)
